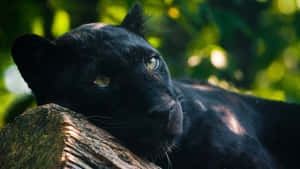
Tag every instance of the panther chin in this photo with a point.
(152, 146)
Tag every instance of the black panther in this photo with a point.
(111, 74)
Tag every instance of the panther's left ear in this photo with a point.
(134, 20)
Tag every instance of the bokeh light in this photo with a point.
(14, 81)
(61, 23)
(114, 14)
(238, 75)
(286, 6)
(298, 3)
(37, 26)
(213, 80)
(275, 71)
(194, 60)
(174, 12)
(218, 59)
(154, 41)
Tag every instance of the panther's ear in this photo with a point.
(31, 54)
(134, 20)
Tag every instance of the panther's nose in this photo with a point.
(161, 111)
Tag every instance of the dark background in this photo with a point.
(248, 46)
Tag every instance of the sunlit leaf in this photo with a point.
(286, 6)
(5, 100)
(174, 12)
(218, 58)
(269, 93)
(61, 23)
(194, 60)
(154, 41)
(275, 71)
(37, 26)
(114, 14)
(14, 81)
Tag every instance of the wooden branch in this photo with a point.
(51, 136)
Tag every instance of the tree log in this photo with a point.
(52, 136)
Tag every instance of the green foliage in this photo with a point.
(251, 47)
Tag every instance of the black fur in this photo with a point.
(183, 123)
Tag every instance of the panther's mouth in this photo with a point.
(154, 135)
(163, 140)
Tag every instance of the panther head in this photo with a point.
(112, 75)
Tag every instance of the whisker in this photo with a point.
(160, 154)
(169, 161)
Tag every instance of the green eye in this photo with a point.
(152, 63)
(102, 81)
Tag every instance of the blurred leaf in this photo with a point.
(269, 93)
(229, 22)
(5, 100)
(61, 23)
(154, 41)
(37, 26)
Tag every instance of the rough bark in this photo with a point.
(51, 136)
